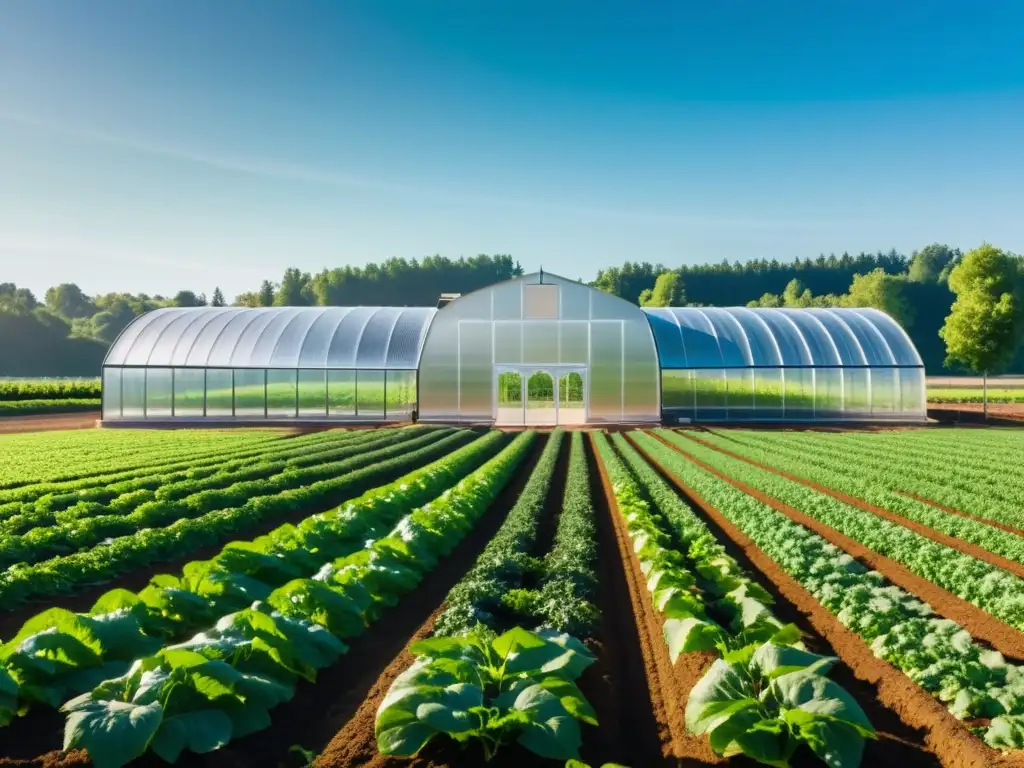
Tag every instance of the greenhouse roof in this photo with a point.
(275, 337)
(719, 337)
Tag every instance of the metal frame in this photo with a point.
(556, 372)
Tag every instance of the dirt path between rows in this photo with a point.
(980, 625)
(968, 548)
(48, 422)
(954, 511)
(923, 717)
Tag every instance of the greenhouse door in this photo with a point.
(536, 396)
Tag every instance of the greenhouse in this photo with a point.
(537, 350)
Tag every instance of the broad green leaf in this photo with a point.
(771, 661)
(817, 695)
(553, 732)
(405, 740)
(691, 634)
(678, 603)
(1006, 732)
(199, 732)
(838, 744)
(113, 732)
(114, 600)
(571, 696)
(723, 691)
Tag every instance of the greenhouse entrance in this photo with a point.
(538, 396)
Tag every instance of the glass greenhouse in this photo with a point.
(537, 350)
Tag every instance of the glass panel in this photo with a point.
(162, 348)
(111, 393)
(571, 404)
(710, 394)
(856, 393)
(286, 352)
(799, 393)
(912, 392)
(262, 351)
(575, 302)
(236, 340)
(828, 393)
(763, 350)
(219, 400)
(540, 342)
(407, 337)
(677, 391)
(439, 367)
(823, 351)
(190, 336)
(373, 344)
(158, 393)
(605, 372)
(846, 343)
(740, 386)
(281, 393)
(901, 347)
(885, 393)
(189, 384)
(666, 333)
(510, 398)
(342, 352)
(250, 393)
(640, 372)
(133, 393)
(731, 337)
(341, 393)
(768, 393)
(573, 342)
(700, 341)
(508, 343)
(370, 394)
(401, 392)
(508, 302)
(791, 344)
(540, 398)
(318, 339)
(313, 394)
(476, 370)
(872, 343)
(123, 344)
(540, 301)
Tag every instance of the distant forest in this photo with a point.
(66, 333)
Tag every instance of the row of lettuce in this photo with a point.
(13, 390)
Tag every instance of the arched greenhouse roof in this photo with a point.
(275, 337)
(719, 337)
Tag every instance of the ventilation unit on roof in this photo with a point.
(446, 299)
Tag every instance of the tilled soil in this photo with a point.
(48, 422)
(982, 626)
(924, 719)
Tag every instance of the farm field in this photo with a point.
(438, 596)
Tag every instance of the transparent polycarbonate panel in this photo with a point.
(189, 335)
(885, 392)
(123, 344)
(573, 342)
(540, 302)
(219, 397)
(668, 337)
(199, 354)
(902, 347)
(571, 398)
(159, 395)
(856, 393)
(828, 393)
(111, 393)
(604, 306)
(341, 393)
(540, 398)
(407, 337)
(710, 394)
(912, 392)
(640, 373)
(799, 393)
(508, 301)
(508, 343)
(823, 349)
(250, 393)
(235, 342)
(792, 346)
(677, 391)
(739, 384)
(133, 393)
(161, 349)
(189, 392)
(761, 341)
(312, 394)
(401, 394)
(313, 353)
(731, 337)
(370, 395)
(286, 352)
(439, 368)
(850, 351)
(540, 342)
(699, 340)
(769, 393)
(605, 371)
(373, 345)
(476, 370)
(282, 393)
(875, 347)
(147, 338)
(509, 398)
(262, 351)
(342, 351)
(575, 301)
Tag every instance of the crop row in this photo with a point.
(993, 590)
(37, 407)
(935, 653)
(746, 699)
(221, 684)
(50, 390)
(141, 549)
(130, 625)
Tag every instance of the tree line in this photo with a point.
(68, 332)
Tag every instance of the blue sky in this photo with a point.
(152, 146)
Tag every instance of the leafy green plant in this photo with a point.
(517, 687)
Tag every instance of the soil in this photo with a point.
(1007, 414)
(952, 511)
(981, 625)
(48, 422)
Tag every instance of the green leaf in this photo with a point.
(405, 740)
(723, 691)
(553, 732)
(199, 732)
(113, 732)
(1006, 732)
(838, 744)
(771, 661)
(810, 692)
(114, 600)
(572, 698)
(691, 634)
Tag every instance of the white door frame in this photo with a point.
(555, 371)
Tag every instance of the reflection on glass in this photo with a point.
(312, 394)
(510, 398)
(341, 393)
(370, 394)
(281, 393)
(799, 393)
(828, 393)
(401, 393)
(710, 394)
(740, 386)
(133, 393)
(250, 393)
(856, 393)
(219, 397)
(111, 393)
(571, 402)
(158, 393)
(912, 397)
(677, 392)
(769, 393)
(885, 392)
(189, 384)
(540, 398)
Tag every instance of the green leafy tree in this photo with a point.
(295, 289)
(667, 292)
(248, 299)
(188, 299)
(932, 263)
(218, 298)
(796, 295)
(266, 294)
(882, 291)
(984, 328)
(15, 300)
(68, 301)
(106, 325)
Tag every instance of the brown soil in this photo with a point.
(924, 719)
(76, 758)
(1010, 566)
(48, 422)
(952, 511)
(998, 413)
(981, 625)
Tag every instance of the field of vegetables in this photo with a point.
(438, 596)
